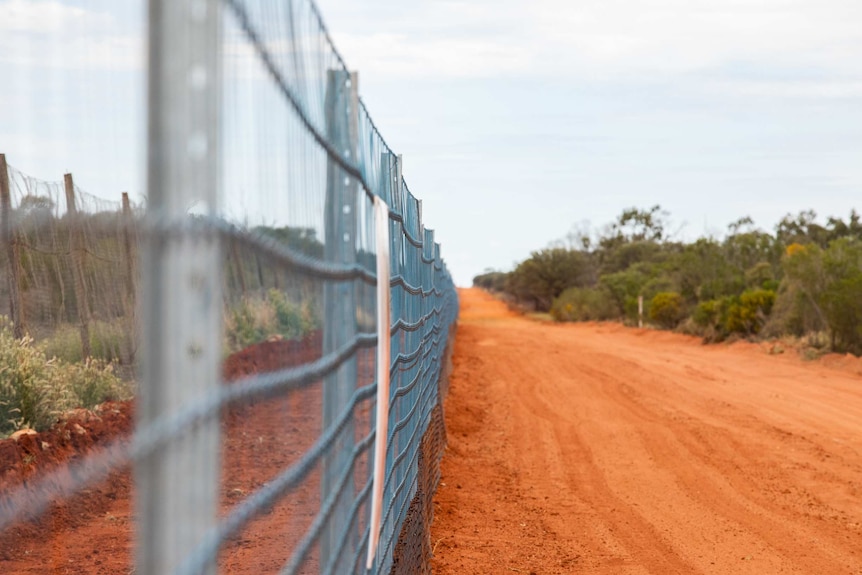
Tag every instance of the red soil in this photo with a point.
(40, 546)
(92, 532)
(595, 448)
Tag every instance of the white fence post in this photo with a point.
(177, 487)
(640, 311)
(381, 232)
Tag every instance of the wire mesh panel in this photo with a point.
(240, 308)
(314, 180)
(75, 269)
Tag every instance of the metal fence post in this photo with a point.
(342, 123)
(177, 487)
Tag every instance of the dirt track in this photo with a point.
(602, 449)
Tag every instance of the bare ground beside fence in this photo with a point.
(92, 533)
(602, 449)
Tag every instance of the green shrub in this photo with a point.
(94, 382)
(64, 343)
(842, 306)
(491, 281)
(585, 304)
(35, 390)
(109, 341)
(625, 287)
(249, 322)
(748, 313)
(666, 309)
(292, 321)
(707, 313)
(254, 320)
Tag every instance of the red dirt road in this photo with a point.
(602, 449)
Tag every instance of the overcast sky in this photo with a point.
(520, 119)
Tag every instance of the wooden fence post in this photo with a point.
(237, 265)
(130, 307)
(76, 256)
(10, 238)
(128, 222)
(259, 268)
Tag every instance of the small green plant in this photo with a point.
(666, 309)
(94, 382)
(288, 316)
(28, 397)
(109, 341)
(254, 320)
(35, 389)
(247, 323)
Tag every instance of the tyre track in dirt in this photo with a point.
(601, 449)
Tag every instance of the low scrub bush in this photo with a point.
(292, 321)
(748, 313)
(585, 304)
(842, 306)
(745, 314)
(794, 313)
(254, 320)
(707, 313)
(666, 309)
(36, 389)
(248, 322)
(109, 341)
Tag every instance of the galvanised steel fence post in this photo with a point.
(177, 486)
(339, 301)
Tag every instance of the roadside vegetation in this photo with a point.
(37, 388)
(802, 280)
(75, 344)
(42, 380)
(256, 319)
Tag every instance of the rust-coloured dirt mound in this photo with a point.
(273, 355)
(92, 532)
(31, 454)
(602, 449)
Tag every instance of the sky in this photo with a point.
(518, 121)
(72, 92)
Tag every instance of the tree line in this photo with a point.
(804, 278)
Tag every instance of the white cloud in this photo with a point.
(45, 17)
(51, 34)
(809, 89)
(401, 55)
(672, 36)
(598, 39)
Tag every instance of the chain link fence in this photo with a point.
(246, 309)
